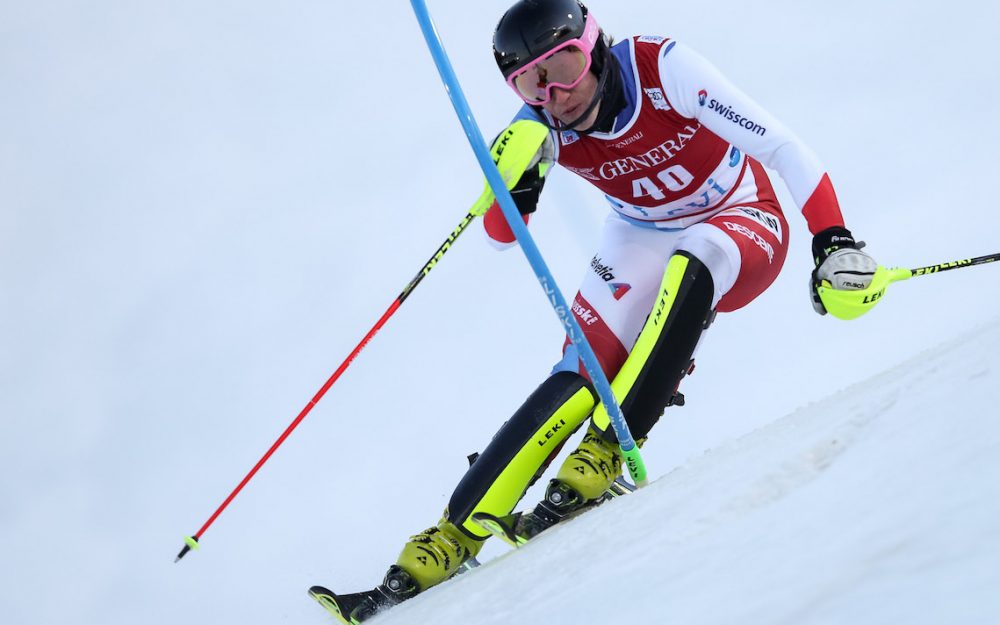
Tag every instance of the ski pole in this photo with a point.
(191, 542)
(630, 450)
(847, 305)
(955, 264)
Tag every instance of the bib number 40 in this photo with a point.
(672, 179)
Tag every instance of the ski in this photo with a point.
(514, 529)
(618, 488)
(500, 527)
(518, 528)
(342, 607)
(354, 608)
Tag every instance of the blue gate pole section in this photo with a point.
(633, 459)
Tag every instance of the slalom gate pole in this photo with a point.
(191, 542)
(630, 451)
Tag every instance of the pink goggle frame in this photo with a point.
(538, 90)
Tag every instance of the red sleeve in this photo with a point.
(822, 210)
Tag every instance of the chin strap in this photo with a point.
(612, 100)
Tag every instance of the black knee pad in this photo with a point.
(678, 319)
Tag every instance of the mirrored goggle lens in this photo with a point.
(563, 69)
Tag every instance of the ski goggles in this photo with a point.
(563, 66)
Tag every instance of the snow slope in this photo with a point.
(204, 206)
(879, 504)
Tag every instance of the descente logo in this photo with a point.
(728, 113)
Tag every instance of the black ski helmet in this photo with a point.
(531, 28)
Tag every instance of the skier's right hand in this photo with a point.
(523, 153)
(527, 190)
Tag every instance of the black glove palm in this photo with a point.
(527, 190)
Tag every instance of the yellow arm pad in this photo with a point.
(517, 149)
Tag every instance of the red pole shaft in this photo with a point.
(333, 378)
(302, 415)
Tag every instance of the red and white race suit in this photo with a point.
(681, 169)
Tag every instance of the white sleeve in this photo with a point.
(697, 90)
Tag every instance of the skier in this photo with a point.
(695, 229)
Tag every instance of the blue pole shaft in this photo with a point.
(633, 459)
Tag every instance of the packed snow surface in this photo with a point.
(879, 504)
(204, 206)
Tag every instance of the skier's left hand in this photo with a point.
(840, 262)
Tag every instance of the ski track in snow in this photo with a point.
(864, 507)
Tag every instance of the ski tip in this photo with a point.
(328, 599)
(190, 542)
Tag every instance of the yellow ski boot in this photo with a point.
(586, 479)
(592, 468)
(436, 554)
